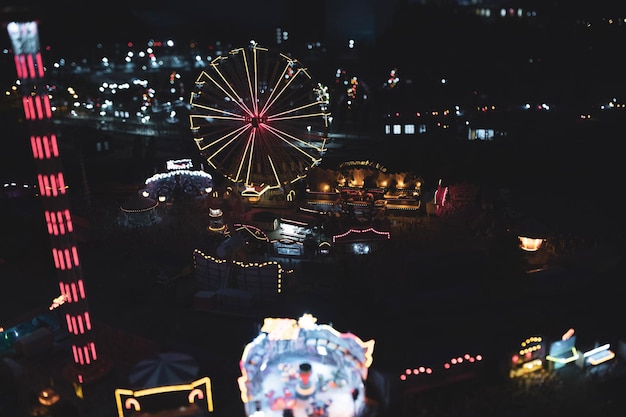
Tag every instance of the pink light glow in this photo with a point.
(55, 146)
(68, 319)
(74, 292)
(88, 321)
(39, 109)
(28, 108)
(19, 67)
(31, 65)
(68, 219)
(81, 288)
(68, 261)
(92, 346)
(42, 188)
(59, 221)
(61, 182)
(35, 144)
(57, 261)
(46, 102)
(86, 354)
(80, 356)
(53, 185)
(51, 225)
(39, 64)
(75, 256)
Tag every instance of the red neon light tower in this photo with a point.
(53, 192)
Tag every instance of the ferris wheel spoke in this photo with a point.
(250, 153)
(293, 141)
(269, 159)
(276, 90)
(295, 111)
(228, 139)
(253, 92)
(230, 92)
(198, 122)
(274, 97)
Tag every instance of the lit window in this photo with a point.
(409, 129)
(397, 129)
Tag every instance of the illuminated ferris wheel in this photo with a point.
(258, 118)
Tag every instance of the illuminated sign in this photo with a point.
(599, 355)
(168, 397)
(366, 163)
(174, 164)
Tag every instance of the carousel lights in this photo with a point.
(369, 229)
(172, 174)
(290, 329)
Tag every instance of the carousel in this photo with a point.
(138, 211)
(304, 369)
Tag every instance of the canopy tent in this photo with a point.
(167, 368)
(139, 211)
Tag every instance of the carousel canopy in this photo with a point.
(137, 203)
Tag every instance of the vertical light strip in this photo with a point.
(37, 107)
